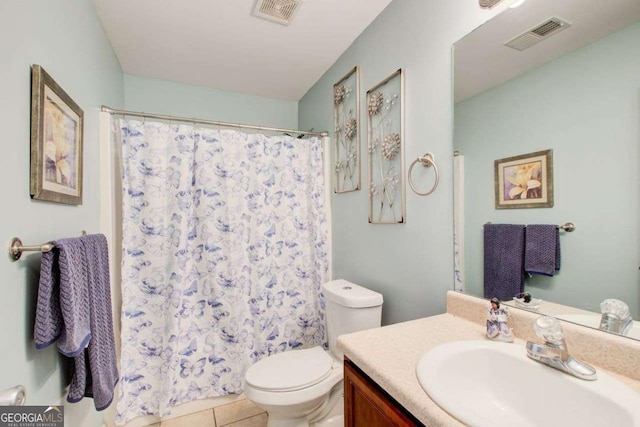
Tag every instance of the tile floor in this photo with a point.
(237, 414)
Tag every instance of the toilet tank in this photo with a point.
(350, 308)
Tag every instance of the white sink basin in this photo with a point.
(485, 383)
(593, 321)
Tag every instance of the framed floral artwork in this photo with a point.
(524, 181)
(56, 141)
(385, 136)
(346, 124)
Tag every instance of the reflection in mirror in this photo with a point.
(572, 86)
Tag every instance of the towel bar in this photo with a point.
(568, 227)
(16, 247)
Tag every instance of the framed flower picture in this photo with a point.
(524, 181)
(346, 124)
(56, 141)
(385, 136)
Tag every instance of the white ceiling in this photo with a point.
(219, 44)
(482, 61)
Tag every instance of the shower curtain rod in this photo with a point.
(208, 122)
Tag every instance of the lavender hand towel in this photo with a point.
(542, 249)
(96, 372)
(62, 312)
(48, 324)
(503, 260)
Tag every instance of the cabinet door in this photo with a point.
(367, 405)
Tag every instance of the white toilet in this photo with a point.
(304, 387)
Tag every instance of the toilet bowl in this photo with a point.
(303, 388)
(293, 387)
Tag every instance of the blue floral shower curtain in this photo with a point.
(224, 253)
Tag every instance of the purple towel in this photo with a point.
(77, 274)
(48, 325)
(62, 312)
(96, 372)
(542, 249)
(503, 257)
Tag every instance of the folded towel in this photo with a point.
(542, 249)
(74, 308)
(503, 259)
(49, 323)
(96, 372)
(62, 311)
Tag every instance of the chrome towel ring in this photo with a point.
(427, 160)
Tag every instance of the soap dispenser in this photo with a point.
(497, 328)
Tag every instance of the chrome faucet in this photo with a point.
(554, 351)
(615, 317)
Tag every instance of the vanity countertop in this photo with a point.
(389, 356)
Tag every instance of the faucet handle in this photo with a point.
(616, 308)
(549, 329)
(615, 317)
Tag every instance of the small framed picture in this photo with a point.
(56, 141)
(524, 181)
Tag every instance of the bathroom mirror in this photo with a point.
(569, 82)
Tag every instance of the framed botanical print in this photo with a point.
(56, 141)
(346, 125)
(524, 181)
(385, 146)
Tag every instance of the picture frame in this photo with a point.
(524, 181)
(57, 124)
(385, 147)
(346, 125)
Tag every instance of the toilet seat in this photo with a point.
(290, 371)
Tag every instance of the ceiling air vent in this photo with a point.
(488, 3)
(280, 11)
(540, 32)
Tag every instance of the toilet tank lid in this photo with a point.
(351, 295)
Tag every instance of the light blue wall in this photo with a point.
(67, 39)
(585, 106)
(165, 97)
(410, 264)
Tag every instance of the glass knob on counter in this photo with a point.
(15, 396)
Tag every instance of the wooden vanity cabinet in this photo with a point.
(366, 404)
